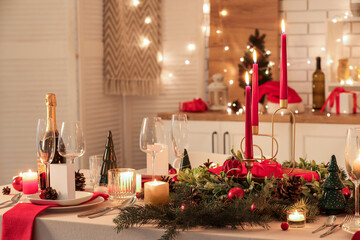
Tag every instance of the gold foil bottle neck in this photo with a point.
(50, 99)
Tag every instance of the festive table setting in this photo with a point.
(247, 195)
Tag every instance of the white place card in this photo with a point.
(62, 179)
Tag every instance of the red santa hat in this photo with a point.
(272, 90)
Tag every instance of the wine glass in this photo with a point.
(352, 162)
(152, 138)
(95, 163)
(179, 136)
(45, 144)
(71, 140)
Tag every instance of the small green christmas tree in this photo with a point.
(334, 200)
(109, 159)
(257, 43)
(185, 161)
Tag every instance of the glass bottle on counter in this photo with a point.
(318, 86)
(50, 100)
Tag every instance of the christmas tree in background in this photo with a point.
(334, 200)
(256, 42)
(109, 159)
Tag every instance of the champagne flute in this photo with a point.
(95, 163)
(71, 140)
(152, 138)
(352, 162)
(45, 144)
(179, 136)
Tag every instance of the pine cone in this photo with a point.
(79, 181)
(289, 189)
(169, 180)
(208, 163)
(6, 190)
(50, 193)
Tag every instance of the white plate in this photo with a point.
(93, 202)
(80, 197)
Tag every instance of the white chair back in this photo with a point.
(198, 158)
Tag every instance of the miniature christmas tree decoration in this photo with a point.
(109, 159)
(334, 200)
(185, 161)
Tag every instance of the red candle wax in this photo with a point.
(248, 129)
(255, 94)
(283, 65)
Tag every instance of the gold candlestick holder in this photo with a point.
(249, 163)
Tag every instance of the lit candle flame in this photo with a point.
(254, 57)
(283, 26)
(247, 78)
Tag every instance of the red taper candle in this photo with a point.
(255, 94)
(248, 130)
(283, 65)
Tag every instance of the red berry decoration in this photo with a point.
(235, 192)
(284, 226)
(346, 192)
(17, 183)
(172, 171)
(252, 208)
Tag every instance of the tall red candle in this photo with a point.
(248, 130)
(255, 94)
(283, 65)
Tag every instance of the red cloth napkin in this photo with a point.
(268, 168)
(196, 105)
(356, 236)
(18, 222)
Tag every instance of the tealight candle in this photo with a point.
(296, 219)
(138, 183)
(156, 192)
(30, 182)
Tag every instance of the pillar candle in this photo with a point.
(283, 65)
(156, 193)
(248, 130)
(30, 182)
(255, 93)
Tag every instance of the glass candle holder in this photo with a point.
(296, 218)
(121, 183)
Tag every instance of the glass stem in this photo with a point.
(356, 199)
(47, 169)
(153, 165)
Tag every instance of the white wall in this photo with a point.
(306, 33)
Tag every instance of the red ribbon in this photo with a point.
(335, 97)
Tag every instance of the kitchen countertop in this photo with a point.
(307, 117)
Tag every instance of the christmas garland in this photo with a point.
(205, 199)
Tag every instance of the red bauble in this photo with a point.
(17, 183)
(172, 171)
(346, 192)
(235, 192)
(284, 226)
(260, 77)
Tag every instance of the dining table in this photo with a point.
(64, 224)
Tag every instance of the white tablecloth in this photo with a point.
(66, 225)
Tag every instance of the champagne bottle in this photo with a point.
(50, 100)
(318, 86)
